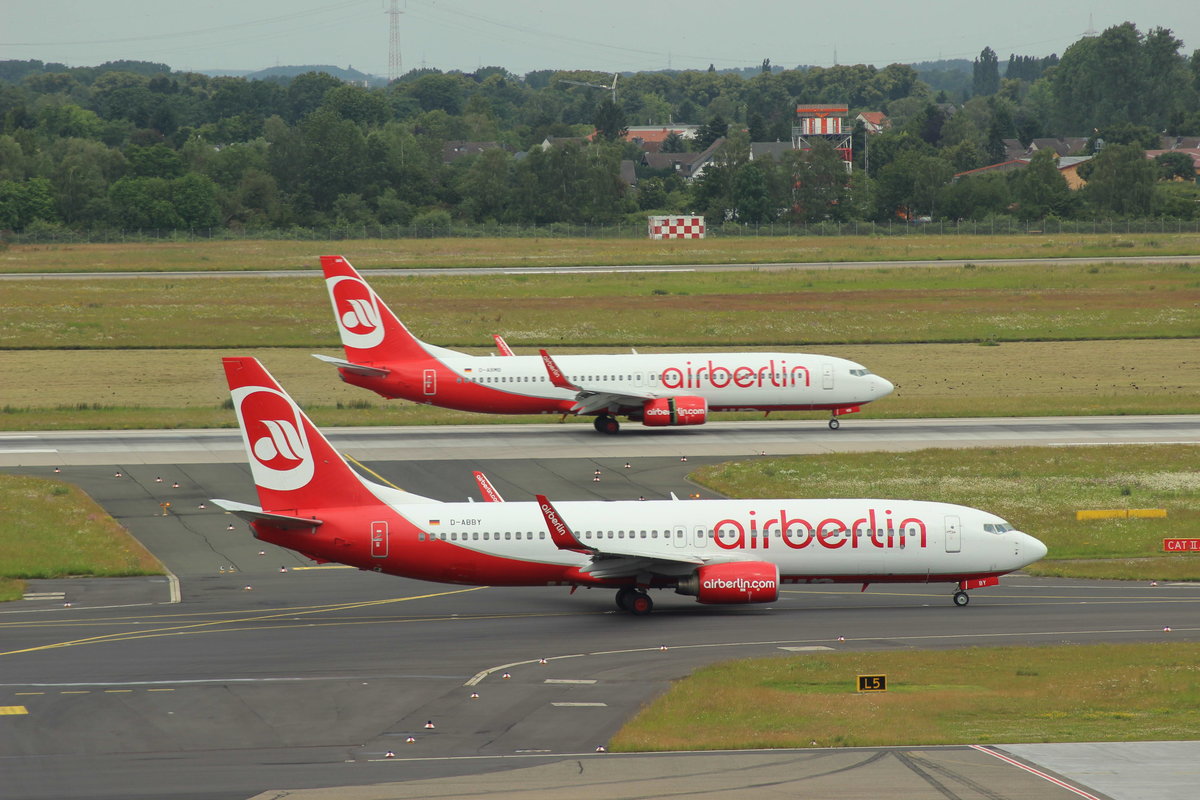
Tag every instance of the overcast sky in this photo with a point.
(524, 35)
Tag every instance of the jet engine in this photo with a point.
(736, 582)
(685, 410)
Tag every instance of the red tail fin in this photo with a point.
(293, 465)
(370, 332)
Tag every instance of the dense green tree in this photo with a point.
(143, 203)
(1121, 77)
(908, 187)
(821, 183)
(195, 200)
(485, 186)
(986, 74)
(24, 202)
(364, 106)
(1121, 181)
(609, 120)
(1175, 165)
(1040, 189)
(975, 197)
(155, 161)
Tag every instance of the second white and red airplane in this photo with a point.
(718, 551)
(657, 390)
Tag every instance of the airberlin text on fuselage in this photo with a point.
(743, 376)
(877, 531)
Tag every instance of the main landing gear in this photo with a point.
(635, 601)
(606, 424)
(961, 598)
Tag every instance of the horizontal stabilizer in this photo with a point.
(256, 514)
(349, 366)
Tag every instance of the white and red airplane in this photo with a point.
(719, 551)
(655, 389)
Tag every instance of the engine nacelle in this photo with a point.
(737, 582)
(686, 410)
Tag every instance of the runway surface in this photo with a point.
(772, 267)
(574, 440)
(272, 675)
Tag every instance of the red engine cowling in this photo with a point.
(738, 582)
(686, 410)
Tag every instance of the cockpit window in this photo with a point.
(860, 372)
(1000, 527)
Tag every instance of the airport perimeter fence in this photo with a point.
(57, 234)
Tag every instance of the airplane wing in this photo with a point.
(490, 495)
(591, 400)
(502, 346)
(614, 560)
(350, 366)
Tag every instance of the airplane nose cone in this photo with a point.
(883, 387)
(1032, 548)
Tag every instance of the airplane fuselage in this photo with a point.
(728, 381)
(834, 540)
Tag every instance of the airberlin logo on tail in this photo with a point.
(357, 312)
(273, 430)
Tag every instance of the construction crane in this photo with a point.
(612, 88)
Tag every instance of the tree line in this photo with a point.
(134, 145)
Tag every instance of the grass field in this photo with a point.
(1037, 489)
(369, 253)
(1136, 692)
(759, 308)
(114, 389)
(52, 529)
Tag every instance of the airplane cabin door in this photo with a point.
(701, 537)
(826, 375)
(953, 535)
(430, 382)
(680, 536)
(379, 539)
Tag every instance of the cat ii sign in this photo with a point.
(1181, 545)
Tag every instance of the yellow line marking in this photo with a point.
(28, 694)
(160, 690)
(193, 628)
(372, 472)
(13, 710)
(118, 691)
(76, 691)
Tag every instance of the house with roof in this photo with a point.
(1068, 167)
(874, 121)
(1063, 146)
(651, 137)
(1191, 152)
(688, 166)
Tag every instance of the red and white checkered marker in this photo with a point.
(676, 227)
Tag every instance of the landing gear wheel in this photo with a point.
(961, 598)
(606, 424)
(640, 604)
(624, 595)
(834, 424)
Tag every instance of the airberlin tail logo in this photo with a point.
(273, 431)
(357, 312)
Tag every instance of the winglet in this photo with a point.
(502, 345)
(488, 491)
(562, 536)
(556, 374)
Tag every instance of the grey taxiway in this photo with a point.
(251, 672)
